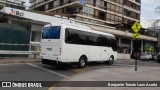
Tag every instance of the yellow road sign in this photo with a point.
(136, 27)
(136, 35)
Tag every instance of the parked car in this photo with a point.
(145, 57)
(154, 57)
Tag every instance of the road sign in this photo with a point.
(136, 35)
(136, 27)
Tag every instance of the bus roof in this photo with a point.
(76, 26)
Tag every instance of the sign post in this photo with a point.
(136, 27)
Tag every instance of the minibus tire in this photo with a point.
(82, 62)
(111, 60)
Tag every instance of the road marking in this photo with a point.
(64, 76)
(65, 79)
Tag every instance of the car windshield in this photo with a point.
(52, 32)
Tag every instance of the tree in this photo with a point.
(1, 7)
(157, 3)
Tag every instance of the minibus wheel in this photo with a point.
(111, 60)
(82, 62)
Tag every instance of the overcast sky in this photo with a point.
(148, 12)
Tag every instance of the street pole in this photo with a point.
(136, 65)
(136, 27)
(136, 55)
(136, 58)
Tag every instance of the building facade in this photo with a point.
(19, 4)
(111, 12)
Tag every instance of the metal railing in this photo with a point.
(34, 49)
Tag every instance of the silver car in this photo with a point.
(145, 57)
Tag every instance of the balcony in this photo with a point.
(63, 3)
(132, 9)
(72, 4)
(138, 2)
(3, 1)
(98, 5)
(34, 5)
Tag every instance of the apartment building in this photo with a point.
(13, 3)
(111, 12)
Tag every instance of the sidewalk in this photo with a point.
(145, 72)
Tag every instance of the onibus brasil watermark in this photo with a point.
(39, 84)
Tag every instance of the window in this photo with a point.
(56, 3)
(120, 10)
(79, 37)
(36, 33)
(51, 32)
(121, 1)
(101, 3)
(108, 6)
(65, 1)
(117, 8)
(108, 16)
(112, 7)
(112, 43)
(112, 17)
(87, 38)
(90, 2)
(88, 10)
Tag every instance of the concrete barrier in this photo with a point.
(122, 56)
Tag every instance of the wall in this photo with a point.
(122, 56)
(14, 35)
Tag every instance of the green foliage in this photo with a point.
(148, 48)
(1, 7)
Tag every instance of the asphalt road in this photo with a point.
(40, 72)
(35, 72)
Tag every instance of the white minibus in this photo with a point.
(74, 43)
